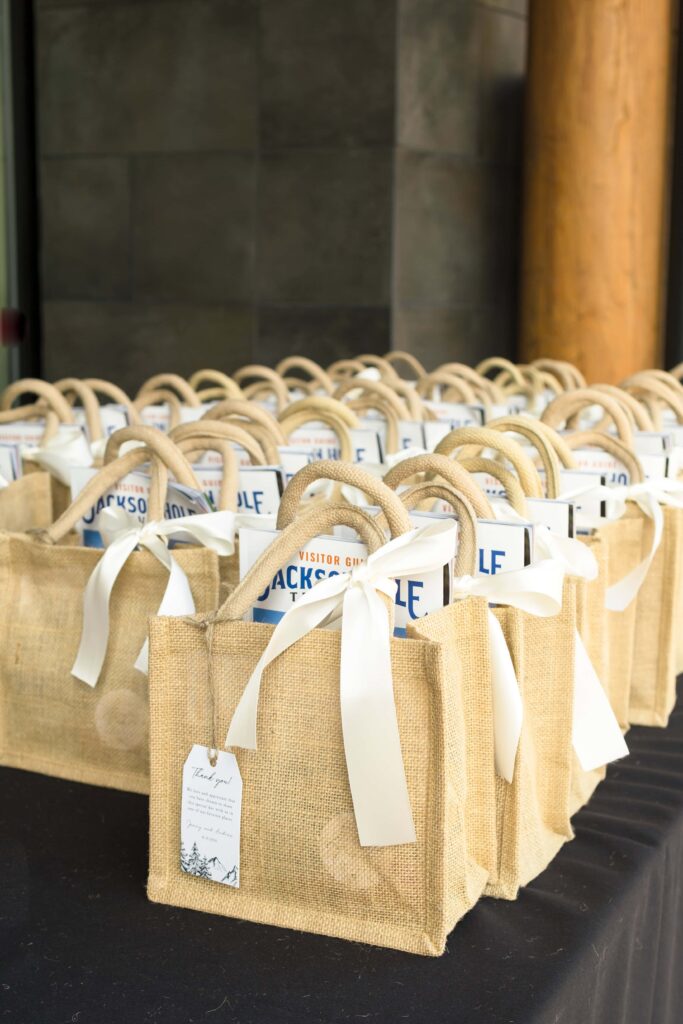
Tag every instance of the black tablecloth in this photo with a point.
(597, 939)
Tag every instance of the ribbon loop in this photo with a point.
(123, 534)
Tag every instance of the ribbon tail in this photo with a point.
(370, 728)
(507, 702)
(95, 632)
(177, 600)
(596, 736)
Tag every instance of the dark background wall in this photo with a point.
(224, 181)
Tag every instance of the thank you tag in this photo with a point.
(210, 816)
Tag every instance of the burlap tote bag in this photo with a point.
(643, 635)
(623, 537)
(533, 809)
(50, 721)
(589, 594)
(465, 619)
(296, 806)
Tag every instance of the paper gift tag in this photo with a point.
(210, 816)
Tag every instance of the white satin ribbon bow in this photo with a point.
(122, 534)
(368, 711)
(596, 736)
(68, 448)
(536, 589)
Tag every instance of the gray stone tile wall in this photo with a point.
(224, 181)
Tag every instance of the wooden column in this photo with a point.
(595, 183)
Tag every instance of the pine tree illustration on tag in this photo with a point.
(210, 815)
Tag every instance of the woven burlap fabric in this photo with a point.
(653, 678)
(533, 811)
(26, 503)
(624, 540)
(301, 864)
(462, 631)
(49, 721)
(591, 622)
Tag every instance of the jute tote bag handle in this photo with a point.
(211, 394)
(369, 403)
(611, 445)
(568, 375)
(35, 411)
(454, 475)
(668, 395)
(241, 409)
(71, 387)
(561, 410)
(408, 359)
(261, 435)
(483, 437)
(514, 492)
(298, 384)
(377, 388)
(663, 375)
(318, 521)
(107, 477)
(380, 363)
(196, 446)
(466, 557)
(500, 364)
(47, 392)
(170, 382)
(556, 442)
(450, 383)
(635, 410)
(410, 398)
(344, 473)
(314, 371)
(476, 380)
(329, 411)
(115, 394)
(550, 382)
(263, 375)
(160, 444)
(345, 368)
(525, 426)
(157, 397)
(228, 386)
(223, 430)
